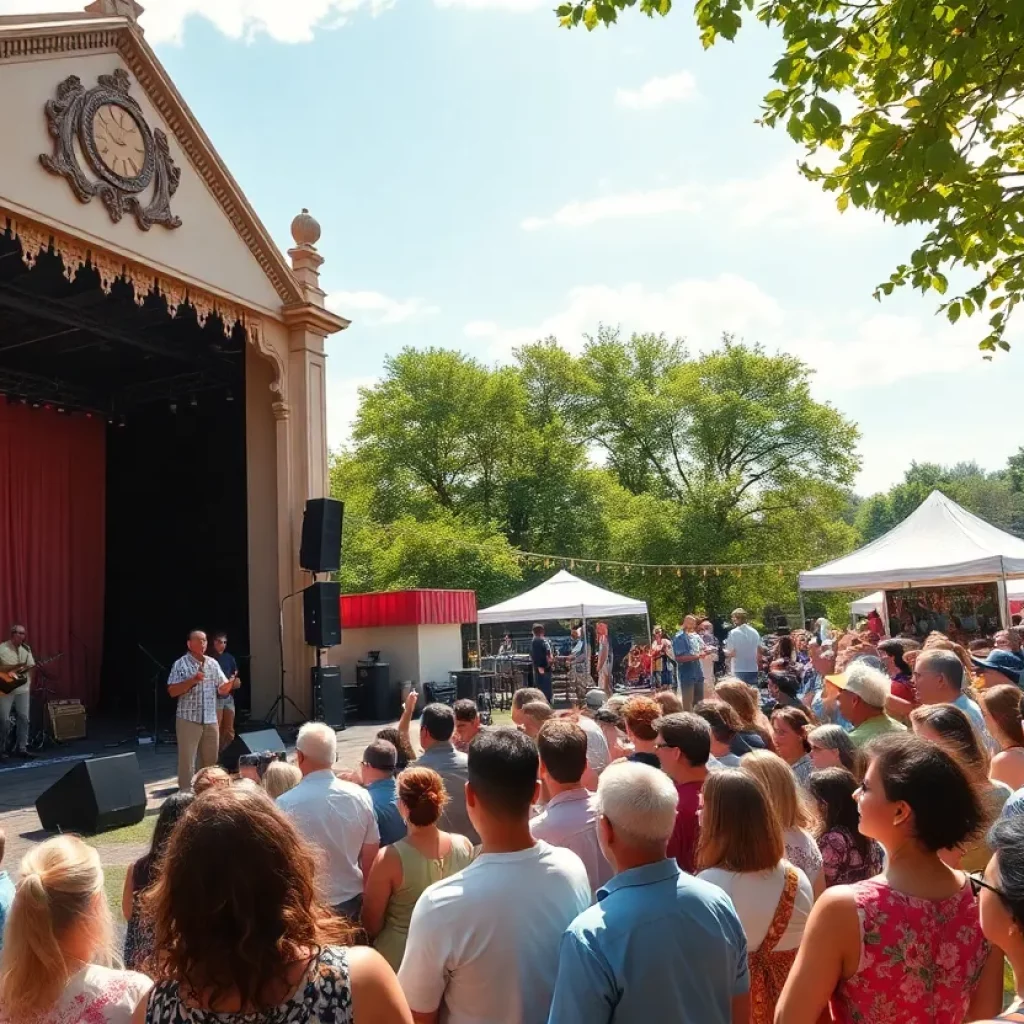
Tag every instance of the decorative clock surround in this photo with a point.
(103, 131)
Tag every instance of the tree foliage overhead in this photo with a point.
(935, 135)
(633, 451)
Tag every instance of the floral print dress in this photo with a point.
(324, 998)
(920, 960)
(843, 862)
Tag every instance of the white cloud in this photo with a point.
(657, 91)
(342, 405)
(164, 20)
(697, 309)
(512, 6)
(847, 351)
(780, 197)
(625, 205)
(378, 310)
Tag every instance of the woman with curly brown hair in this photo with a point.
(242, 935)
(403, 870)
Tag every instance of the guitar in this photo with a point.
(12, 678)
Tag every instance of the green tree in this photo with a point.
(725, 456)
(934, 135)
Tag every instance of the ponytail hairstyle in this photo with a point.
(60, 891)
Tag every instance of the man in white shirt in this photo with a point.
(16, 658)
(335, 816)
(741, 647)
(483, 943)
(569, 818)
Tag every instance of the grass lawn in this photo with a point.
(113, 884)
(140, 833)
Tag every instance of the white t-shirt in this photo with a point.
(483, 943)
(597, 745)
(756, 894)
(743, 641)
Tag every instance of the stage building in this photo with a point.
(162, 371)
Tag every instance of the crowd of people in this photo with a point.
(832, 847)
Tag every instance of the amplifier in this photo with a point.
(67, 720)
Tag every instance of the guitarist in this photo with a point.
(16, 655)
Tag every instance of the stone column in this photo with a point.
(302, 435)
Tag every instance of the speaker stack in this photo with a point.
(320, 551)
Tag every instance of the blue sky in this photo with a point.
(484, 178)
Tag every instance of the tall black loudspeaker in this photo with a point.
(321, 614)
(250, 743)
(320, 550)
(328, 695)
(96, 795)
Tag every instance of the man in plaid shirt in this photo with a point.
(196, 680)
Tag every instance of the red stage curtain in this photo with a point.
(53, 540)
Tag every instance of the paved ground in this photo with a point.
(21, 784)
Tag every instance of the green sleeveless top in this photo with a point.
(418, 872)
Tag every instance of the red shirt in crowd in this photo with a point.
(682, 844)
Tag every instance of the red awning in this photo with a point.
(408, 608)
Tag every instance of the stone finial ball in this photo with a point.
(305, 229)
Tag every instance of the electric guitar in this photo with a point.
(16, 675)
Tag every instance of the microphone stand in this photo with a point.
(279, 707)
(160, 670)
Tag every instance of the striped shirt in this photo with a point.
(200, 703)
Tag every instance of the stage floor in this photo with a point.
(22, 782)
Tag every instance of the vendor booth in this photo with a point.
(564, 597)
(941, 568)
(399, 636)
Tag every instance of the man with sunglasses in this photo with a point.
(16, 655)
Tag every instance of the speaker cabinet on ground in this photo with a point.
(96, 795)
(321, 614)
(320, 550)
(250, 743)
(328, 695)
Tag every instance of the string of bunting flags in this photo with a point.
(572, 563)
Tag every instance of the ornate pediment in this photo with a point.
(104, 147)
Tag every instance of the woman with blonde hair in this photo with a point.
(403, 870)
(742, 698)
(741, 850)
(1002, 708)
(279, 777)
(793, 811)
(58, 943)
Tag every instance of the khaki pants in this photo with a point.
(193, 737)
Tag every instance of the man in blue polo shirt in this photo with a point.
(684, 931)
(688, 649)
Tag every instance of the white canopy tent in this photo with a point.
(564, 596)
(939, 544)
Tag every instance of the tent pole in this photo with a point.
(803, 614)
(586, 650)
(650, 635)
(1004, 604)
(479, 653)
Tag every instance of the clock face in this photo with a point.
(120, 142)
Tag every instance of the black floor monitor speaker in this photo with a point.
(327, 689)
(320, 550)
(250, 743)
(321, 614)
(96, 795)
